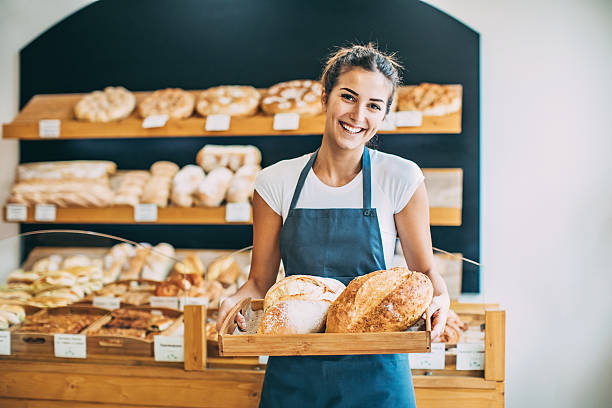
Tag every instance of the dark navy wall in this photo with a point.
(194, 44)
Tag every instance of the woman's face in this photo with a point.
(355, 108)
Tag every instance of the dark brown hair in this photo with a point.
(367, 57)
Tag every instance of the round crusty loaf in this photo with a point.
(387, 300)
(298, 304)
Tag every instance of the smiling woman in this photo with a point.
(336, 213)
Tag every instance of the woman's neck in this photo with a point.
(337, 167)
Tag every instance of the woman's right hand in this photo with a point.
(224, 309)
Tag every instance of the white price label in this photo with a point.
(429, 361)
(45, 212)
(470, 356)
(70, 345)
(195, 301)
(237, 212)
(168, 348)
(286, 121)
(389, 122)
(5, 343)
(16, 212)
(49, 128)
(168, 302)
(263, 359)
(154, 121)
(408, 118)
(109, 303)
(216, 123)
(145, 213)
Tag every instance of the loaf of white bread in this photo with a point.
(386, 300)
(298, 304)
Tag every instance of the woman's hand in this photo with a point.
(438, 310)
(224, 309)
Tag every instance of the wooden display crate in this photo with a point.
(313, 343)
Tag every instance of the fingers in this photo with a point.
(241, 321)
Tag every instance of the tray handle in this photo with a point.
(427, 320)
(229, 325)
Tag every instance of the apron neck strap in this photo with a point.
(367, 179)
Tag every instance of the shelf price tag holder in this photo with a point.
(16, 212)
(70, 345)
(5, 343)
(49, 128)
(105, 302)
(408, 118)
(45, 212)
(217, 123)
(167, 302)
(429, 361)
(187, 301)
(145, 213)
(237, 212)
(470, 356)
(286, 121)
(154, 121)
(168, 348)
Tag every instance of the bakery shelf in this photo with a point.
(26, 125)
(185, 216)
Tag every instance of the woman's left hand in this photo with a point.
(438, 310)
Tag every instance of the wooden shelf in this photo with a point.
(25, 125)
(184, 216)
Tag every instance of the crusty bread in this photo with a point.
(307, 286)
(294, 314)
(386, 300)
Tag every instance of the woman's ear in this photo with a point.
(324, 101)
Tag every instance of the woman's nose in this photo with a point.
(358, 113)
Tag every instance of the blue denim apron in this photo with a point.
(340, 243)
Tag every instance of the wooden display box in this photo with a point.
(126, 345)
(251, 344)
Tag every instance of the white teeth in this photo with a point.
(350, 129)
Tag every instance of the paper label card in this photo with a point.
(429, 361)
(168, 348)
(145, 213)
(286, 121)
(470, 356)
(263, 359)
(168, 302)
(109, 303)
(45, 212)
(408, 118)
(216, 123)
(5, 343)
(155, 121)
(49, 128)
(195, 301)
(389, 122)
(16, 212)
(238, 212)
(70, 345)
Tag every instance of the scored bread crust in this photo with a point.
(302, 96)
(307, 286)
(386, 300)
(294, 314)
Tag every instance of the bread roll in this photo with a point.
(387, 300)
(185, 183)
(211, 191)
(224, 269)
(243, 184)
(233, 157)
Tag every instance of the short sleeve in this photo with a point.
(269, 186)
(407, 180)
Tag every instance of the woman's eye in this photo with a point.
(375, 106)
(348, 97)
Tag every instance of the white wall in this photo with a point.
(546, 206)
(546, 203)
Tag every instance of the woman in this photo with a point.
(336, 213)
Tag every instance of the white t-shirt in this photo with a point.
(394, 181)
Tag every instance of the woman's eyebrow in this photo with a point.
(356, 94)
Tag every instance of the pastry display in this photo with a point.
(113, 103)
(133, 266)
(431, 99)
(242, 186)
(298, 96)
(58, 321)
(174, 102)
(233, 157)
(298, 304)
(11, 315)
(142, 324)
(61, 170)
(211, 191)
(224, 269)
(158, 263)
(228, 100)
(386, 300)
(129, 186)
(185, 183)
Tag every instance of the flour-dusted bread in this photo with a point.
(174, 102)
(298, 96)
(431, 99)
(113, 103)
(387, 300)
(298, 304)
(232, 100)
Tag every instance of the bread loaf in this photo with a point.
(298, 304)
(211, 191)
(387, 300)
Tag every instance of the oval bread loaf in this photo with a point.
(387, 300)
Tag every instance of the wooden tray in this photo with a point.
(126, 345)
(24, 342)
(249, 344)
